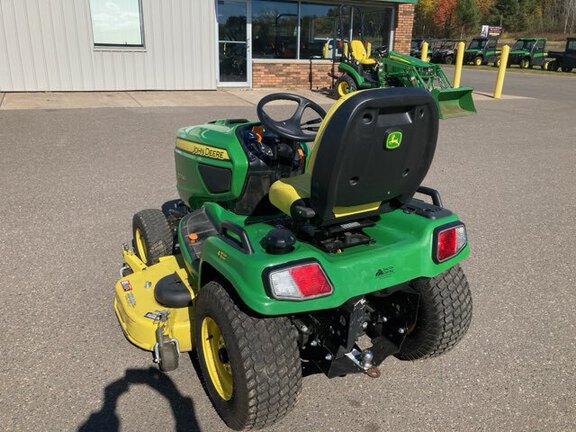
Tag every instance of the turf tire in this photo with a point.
(448, 60)
(444, 315)
(156, 235)
(478, 61)
(525, 64)
(263, 356)
(349, 81)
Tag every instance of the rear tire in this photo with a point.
(444, 315)
(345, 84)
(251, 365)
(152, 235)
(525, 64)
(448, 60)
(498, 62)
(567, 69)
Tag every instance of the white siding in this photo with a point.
(46, 45)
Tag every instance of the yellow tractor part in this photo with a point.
(216, 357)
(136, 307)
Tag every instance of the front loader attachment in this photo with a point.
(454, 102)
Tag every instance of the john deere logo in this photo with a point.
(394, 140)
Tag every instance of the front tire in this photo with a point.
(553, 66)
(448, 60)
(444, 315)
(152, 235)
(251, 365)
(478, 61)
(345, 84)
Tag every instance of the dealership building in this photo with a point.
(115, 45)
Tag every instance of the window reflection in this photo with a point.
(275, 28)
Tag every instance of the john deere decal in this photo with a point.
(394, 140)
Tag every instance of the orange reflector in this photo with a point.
(193, 237)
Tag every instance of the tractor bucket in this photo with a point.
(454, 102)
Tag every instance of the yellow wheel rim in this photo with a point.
(478, 61)
(343, 88)
(216, 358)
(140, 245)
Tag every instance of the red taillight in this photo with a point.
(449, 241)
(299, 282)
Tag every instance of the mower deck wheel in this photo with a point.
(168, 356)
(250, 365)
(444, 315)
(152, 235)
(345, 84)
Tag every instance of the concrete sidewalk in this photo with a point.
(146, 99)
(139, 99)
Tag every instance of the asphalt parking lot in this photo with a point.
(72, 179)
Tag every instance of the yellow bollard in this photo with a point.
(458, 65)
(501, 72)
(424, 53)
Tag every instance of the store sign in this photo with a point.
(491, 31)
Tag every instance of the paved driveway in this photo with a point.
(71, 180)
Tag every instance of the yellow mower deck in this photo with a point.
(137, 309)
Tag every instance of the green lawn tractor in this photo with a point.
(392, 69)
(283, 257)
(528, 52)
(482, 51)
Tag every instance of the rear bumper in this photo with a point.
(401, 252)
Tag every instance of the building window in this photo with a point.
(308, 30)
(117, 23)
(274, 29)
(318, 26)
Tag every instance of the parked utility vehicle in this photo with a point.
(445, 52)
(528, 52)
(482, 51)
(566, 60)
(281, 254)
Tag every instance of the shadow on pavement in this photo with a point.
(107, 420)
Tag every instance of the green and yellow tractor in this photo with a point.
(305, 242)
(360, 70)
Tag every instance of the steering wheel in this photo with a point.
(292, 128)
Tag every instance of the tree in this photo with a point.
(468, 16)
(443, 15)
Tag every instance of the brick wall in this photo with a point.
(309, 74)
(403, 31)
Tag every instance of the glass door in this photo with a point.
(233, 43)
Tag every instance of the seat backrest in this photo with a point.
(372, 152)
(358, 50)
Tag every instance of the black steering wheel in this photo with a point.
(292, 128)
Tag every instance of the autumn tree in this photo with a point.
(443, 15)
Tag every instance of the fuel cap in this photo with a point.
(278, 241)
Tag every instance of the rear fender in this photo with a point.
(349, 70)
